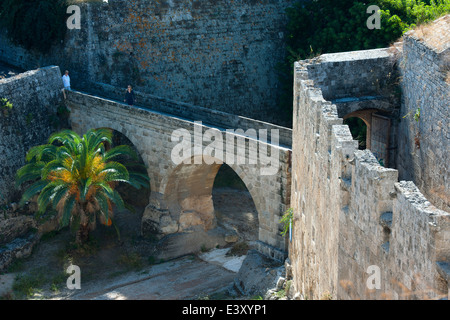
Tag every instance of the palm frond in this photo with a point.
(29, 172)
(138, 180)
(84, 188)
(52, 167)
(122, 150)
(59, 194)
(33, 190)
(45, 196)
(114, 171)
(102, 200)
(97, 137)
(41, 153)
(67, 210)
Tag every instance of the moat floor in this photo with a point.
(127, 269)
(182, 279)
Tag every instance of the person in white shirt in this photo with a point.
(66, 80)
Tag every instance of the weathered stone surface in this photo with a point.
(194, 241)
(157, 222)
(35, 96)
(231, 238)
(190, 219)
(145, 43)
(16, 249)
(424, 155)
(351, 213)
(15, 226)
(258, 274)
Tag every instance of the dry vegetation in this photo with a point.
(435, 34)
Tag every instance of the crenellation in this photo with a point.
(377, 219)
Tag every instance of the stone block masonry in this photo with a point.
(352, 215)
(189, 111)
(424, 157)
(216, 54)
(35, 96)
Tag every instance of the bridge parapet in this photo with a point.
(208, 116)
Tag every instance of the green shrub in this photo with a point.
(5, 106)
(327, 26)
(286, 220)
(34, 24)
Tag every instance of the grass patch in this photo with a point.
(49, 235)
(131, 261)
(280, 294)
(27, 285)
(239, 249)
(16, 266)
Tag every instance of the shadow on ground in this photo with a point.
(126, 267)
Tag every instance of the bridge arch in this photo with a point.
(119, 134)
(185, 195)
(120, 129)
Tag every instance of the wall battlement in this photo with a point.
(350, 212)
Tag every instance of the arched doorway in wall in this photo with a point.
(372, 130)
(234, 207)
(358, 129)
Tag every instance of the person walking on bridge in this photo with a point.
(129, 96)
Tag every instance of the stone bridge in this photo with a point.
(183, 157)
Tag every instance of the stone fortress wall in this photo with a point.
(35, 96)
(216, 54)
(424, 153)
(352, 216)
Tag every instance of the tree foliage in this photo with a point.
(75, 177)
(325, 26)
(34, 24)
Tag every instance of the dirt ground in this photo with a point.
(114, 268)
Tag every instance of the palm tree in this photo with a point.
(76, 177)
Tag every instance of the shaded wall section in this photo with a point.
(35, 96)
(425, 140)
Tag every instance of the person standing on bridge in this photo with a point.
(66, 82)
(129, 96)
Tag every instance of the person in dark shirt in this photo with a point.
(129, 96)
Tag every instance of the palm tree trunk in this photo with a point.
(82, 235)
